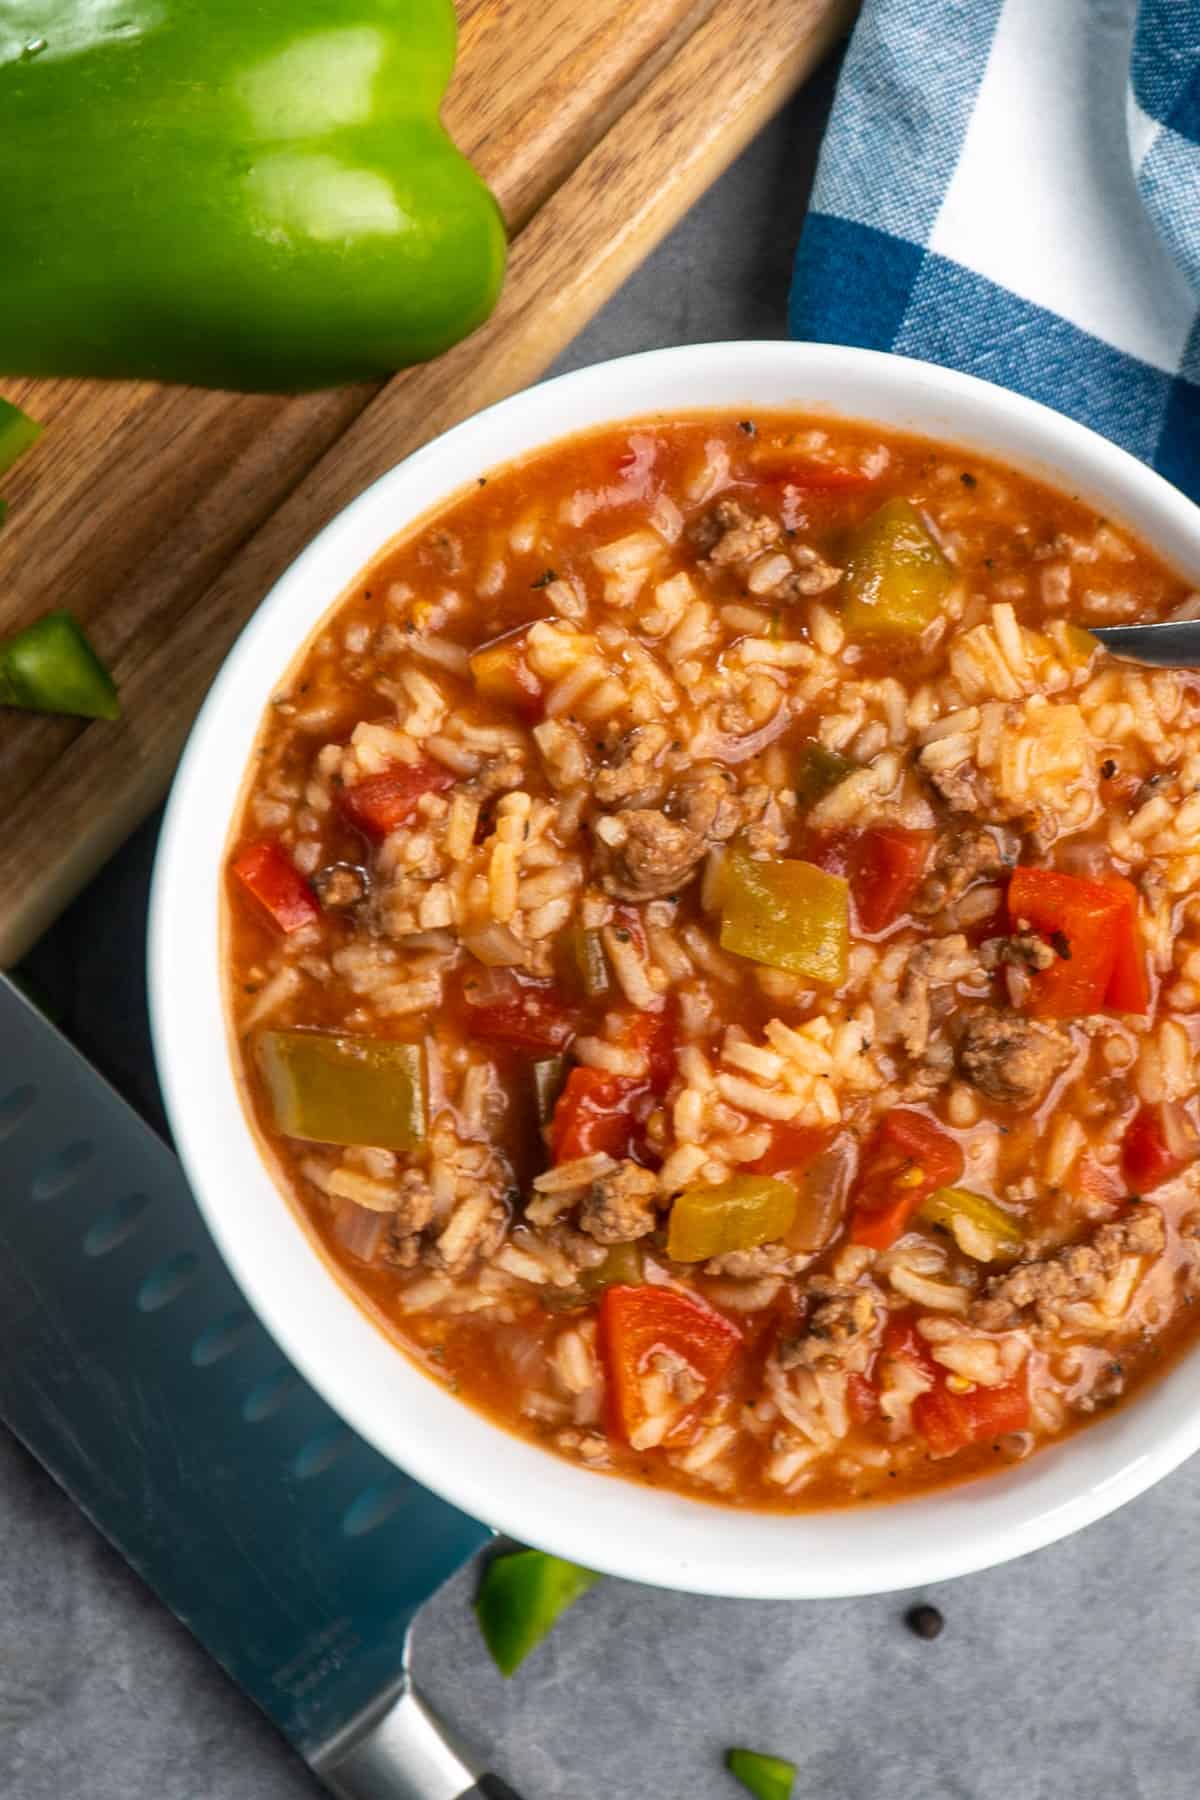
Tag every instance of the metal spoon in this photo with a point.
(1174, 644)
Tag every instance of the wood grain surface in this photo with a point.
(161, 516)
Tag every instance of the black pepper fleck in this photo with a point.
(544, 579)
(1108, 769)
(748, 426)
(924, 1621)
(1060, 944)
(967, 480)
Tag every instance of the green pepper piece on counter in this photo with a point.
(521, 1597)
(335, 1089)
(549, 1075)
(790, 915)
(18, 433)
(248, 196)
(979, 1227)
(818, 772)
(738, 1214)
(51, 668)
(767, 1777)
(896, 577)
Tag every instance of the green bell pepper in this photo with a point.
(766, 1777)
(896, 577)
(335, 1089)
(257, 196)
(979, 1227)
(790, 915)
(738, 1214)
(50, 667)
(818, 772)
(521, 1596)
(18, 433)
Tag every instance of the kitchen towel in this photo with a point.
(1012, 188)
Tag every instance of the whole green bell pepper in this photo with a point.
(253, 194)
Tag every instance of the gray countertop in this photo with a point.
(1068, 1673)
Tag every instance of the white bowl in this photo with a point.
(611, 1525)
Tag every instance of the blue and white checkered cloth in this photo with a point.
(1012, 187)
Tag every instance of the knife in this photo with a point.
(135, 1372)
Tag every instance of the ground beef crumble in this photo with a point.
(1011, 1059)
(1039, 1291)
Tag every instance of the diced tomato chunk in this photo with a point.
(791, 1149)
(950, 1422)
(634, 1323)
(889, 866)
(593, 1114)
(778, 462)
(1160, 1142)
(526, 1015)
(379, 803)
(906, 1160)
(267, 872)
(1084, 921)
(654, 1034)
(884, 866)
(864, 1401)
(901, 1339)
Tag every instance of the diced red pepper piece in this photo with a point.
(268, 873)
(379, 803)
(883, 864)
(634, 1322)
(1129, 984)
(949, 1422)
(908, 1158)
(522, 1014)
(1083, 920)
(1160, 1142)
(791, 1149)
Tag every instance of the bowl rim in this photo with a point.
(616, 1526)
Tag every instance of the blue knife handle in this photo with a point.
(135, 1372)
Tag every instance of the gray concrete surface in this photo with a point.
(1071, 1673)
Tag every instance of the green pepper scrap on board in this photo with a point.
(51, 668)
(767, 1777)
(18, 433)
(259, 197)
(521, 1596)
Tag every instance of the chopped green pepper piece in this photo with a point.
(738, 1214)
(584, 964)
(18, 433)
(521, 1596)
(790, 915)
(332, 1089)
(50, 667)
(979, 1227)
(819, 772)
(621, 1267)
(768, 1777)
(896, 577)
(549, 1074)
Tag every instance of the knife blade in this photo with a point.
(136, 1373)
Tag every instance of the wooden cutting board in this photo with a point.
(161, 516)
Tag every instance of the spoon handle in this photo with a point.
(1173, 644)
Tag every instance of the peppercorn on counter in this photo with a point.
(713, 956)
